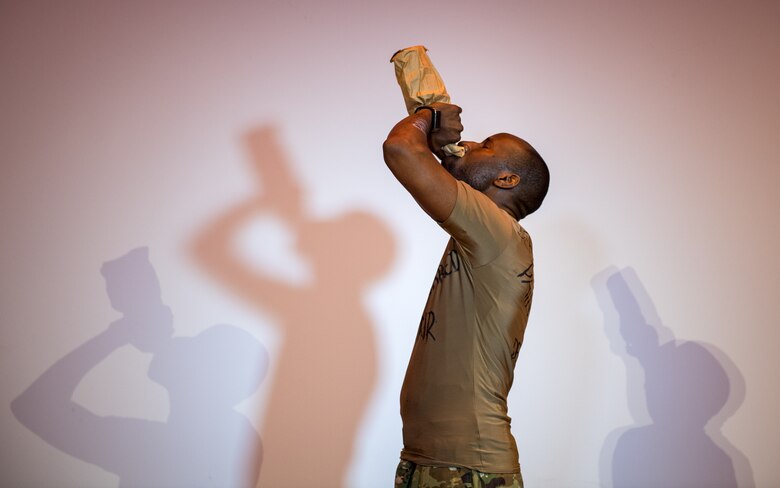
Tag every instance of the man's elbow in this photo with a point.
(24, 408)
(396, 149)
(392, 150)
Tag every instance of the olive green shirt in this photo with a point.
(453, 400)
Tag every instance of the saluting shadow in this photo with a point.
(680, 393)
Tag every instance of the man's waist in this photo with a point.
(488, 455)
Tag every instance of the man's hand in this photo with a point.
(450, 130)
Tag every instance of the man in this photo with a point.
(453, 402)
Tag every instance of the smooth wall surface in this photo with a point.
(209, 277)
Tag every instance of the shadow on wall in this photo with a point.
(204, 442)
(325, 370)
(680, 393)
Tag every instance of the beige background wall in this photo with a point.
(241, 144)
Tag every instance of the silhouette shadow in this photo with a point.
(680, 393)
(325, 370)
(204, 442)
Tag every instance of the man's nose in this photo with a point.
(469, 145)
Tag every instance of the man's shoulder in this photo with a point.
(480, 226)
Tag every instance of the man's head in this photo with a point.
(507, 169)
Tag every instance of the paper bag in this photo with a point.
(421, 84)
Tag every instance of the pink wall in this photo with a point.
(240, 144)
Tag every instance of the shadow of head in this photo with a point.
(351, 249)
(217, 368)
(685, 384)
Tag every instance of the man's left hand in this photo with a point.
(449, 130)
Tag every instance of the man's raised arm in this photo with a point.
(407, 154)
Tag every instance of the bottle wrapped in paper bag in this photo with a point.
(421, 84)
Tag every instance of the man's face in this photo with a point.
(482, 161)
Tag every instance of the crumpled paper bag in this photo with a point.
(421, 84)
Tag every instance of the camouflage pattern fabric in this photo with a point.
(410, 475)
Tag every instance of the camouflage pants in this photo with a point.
(410, 475)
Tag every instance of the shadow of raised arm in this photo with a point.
(213, 247)
(48, 410)
(281, 191)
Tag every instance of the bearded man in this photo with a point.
(454, 397)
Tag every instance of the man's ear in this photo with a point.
(507, 180)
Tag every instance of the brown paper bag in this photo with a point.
(421, 84)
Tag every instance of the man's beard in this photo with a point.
(478, 175)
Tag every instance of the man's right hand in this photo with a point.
(450, 129)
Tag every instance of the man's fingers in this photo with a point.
(446, 107)
(451, 126)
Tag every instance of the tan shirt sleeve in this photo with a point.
(482, 229)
